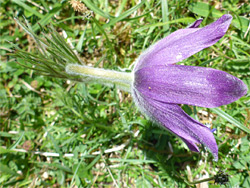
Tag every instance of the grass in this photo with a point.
(59, 133)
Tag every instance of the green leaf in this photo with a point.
(4, 134)
(241, 23)
(143, 182)
(229, 118)
(4, 23)
(241, 164)
(3, 150)
(6, 170)
(247, 182)
(205, 10)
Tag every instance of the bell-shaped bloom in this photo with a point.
(159, 84)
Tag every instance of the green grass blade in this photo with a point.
(95, 9)
(57, 148)
(75, 173)
(93, 162)
(121, 7)
(164, 13)
(80, 42)
(56, 165)
(180, 20)
(125, 14)
(230, 119)
(28, 8)
(143, 15)
(13, 146)
(47, 18)
(101, 29)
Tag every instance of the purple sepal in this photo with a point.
(175, 120)
(190, 85)
(183, 43)
(196, 23)
(213, 130)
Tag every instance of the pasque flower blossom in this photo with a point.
(159, 84)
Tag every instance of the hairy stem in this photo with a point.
(122, 80)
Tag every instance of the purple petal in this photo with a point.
(144, 58)
(174, 119)
(191, 85)
(184, 43)
(213, 130)
(196, 23)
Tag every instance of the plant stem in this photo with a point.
(200, 181)
(122, 80)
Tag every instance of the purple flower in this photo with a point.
(160, 85)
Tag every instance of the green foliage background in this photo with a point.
(59, 133)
